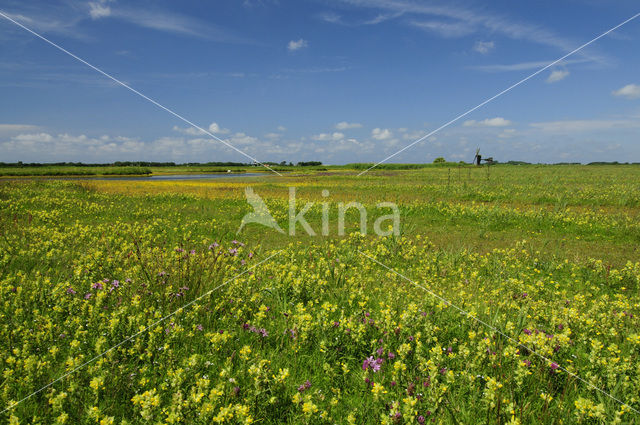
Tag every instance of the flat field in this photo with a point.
(511, 295)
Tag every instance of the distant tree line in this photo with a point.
(152, 164)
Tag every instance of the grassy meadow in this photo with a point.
(131, 302)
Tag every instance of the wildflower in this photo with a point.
(526, 331)
(377, 390)
(554, 366)
(377, 364)
(87, 295)
(302, 388)
(421, 420)
(70, 291)
(97, 286)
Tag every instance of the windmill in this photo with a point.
(477, 158)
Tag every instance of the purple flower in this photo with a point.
(97, 286)
(192, 252)
(365, 363)
(421, 420)
(560, 327)
(554, 366)
(214, 245)
(199, 327)
(376, 365)
(87, 295)
(336, 324)
(380, 351)
(70, 291)
(302, 388)
(115, 284)
(391, 355)
(251, 255)
(526, 331)
(233, 251)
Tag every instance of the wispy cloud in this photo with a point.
(524, 66)
(558, 75)
(489, 122)
(580, 126)
(484, 47)
(16, 128)
(630, 91)
(347, 125)
(174, 23)
(99, 9)
(456, 21)
(445, 29)
(297, 45)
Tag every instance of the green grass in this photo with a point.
(546, 254)
(72, 171)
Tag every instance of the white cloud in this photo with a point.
(557, 75)
(455, 21)
(524, 66)
(630, 91)
(192, 131)
(489, 122)
(242, 139)
(273, 136)
(577, 126)
(297, 45)
(507, 133)
(347, 125)
(325, 137)
(16, 128)
(445, 29)
(216, 129)
(381, 134)
(281, 128)
(484, 47)
(99, 9)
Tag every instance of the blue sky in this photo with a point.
(336, 81)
